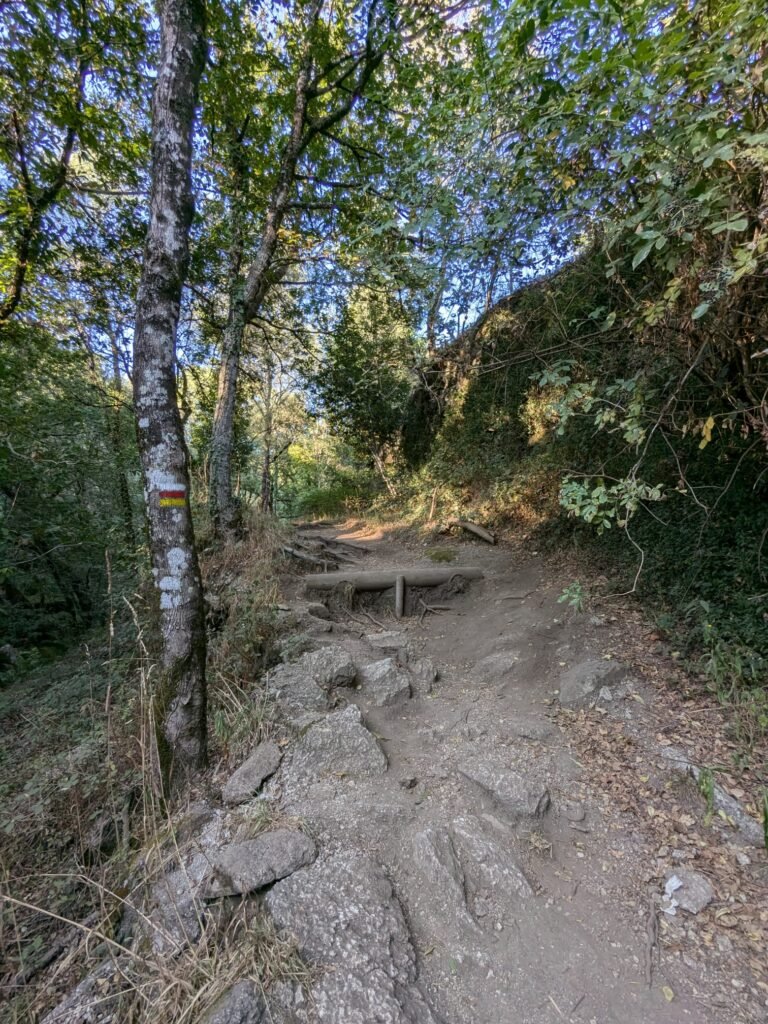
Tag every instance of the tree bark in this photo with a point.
(180, 693)
(220, 498)
(266, 464)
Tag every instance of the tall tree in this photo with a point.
(180, 708)
(328, 82)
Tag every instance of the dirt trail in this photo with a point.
(557, 921)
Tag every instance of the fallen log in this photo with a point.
(383, 579)
(316, 524)
(479, 531)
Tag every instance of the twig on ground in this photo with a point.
(652, 939)
(373, 619)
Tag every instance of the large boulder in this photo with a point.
(295, 691)
(330, 667)
(344, 916)
(245, 782)
(384, 683)
(339, 744)
(242, 868)
(304, 685)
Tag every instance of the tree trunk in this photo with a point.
(221, 502)
(266, 466)
(180, 695)
(245, 301)
(378, 462)
(433, 315)
(115, 430)
(262, 274)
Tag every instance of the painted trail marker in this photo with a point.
(173, 498)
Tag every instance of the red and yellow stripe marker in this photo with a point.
(175, 498)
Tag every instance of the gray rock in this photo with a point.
(423, 675)
(318, 610)
(176, 908)
(489, 868)
(575, 811)
(340, 743)
(241, 1004)
(583, 679)
(438, 898)
(513, 795)
(383, 683)
(303, 685)
(245, 782)
(390, 640)
(302, 722)
(316, 627)
(748, 830)
(193, 820)
(696, 892)
(287, 1004)
(330, 667)
(241, 868)
(344, 915)
(295, 691)
(97, 999)
(496, 667)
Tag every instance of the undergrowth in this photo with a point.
(79, 808)
(567, 418)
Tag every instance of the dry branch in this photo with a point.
(479, 531)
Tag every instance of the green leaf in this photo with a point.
(642, 254)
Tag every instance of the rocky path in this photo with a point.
(468, 816)
(530, 892)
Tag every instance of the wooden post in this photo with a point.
(399, 597)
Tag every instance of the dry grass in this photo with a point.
(60, 916)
